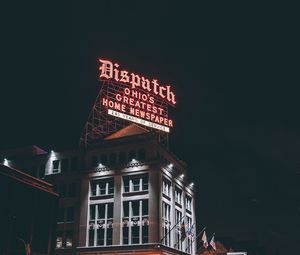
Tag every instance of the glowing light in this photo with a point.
(100, 165)
(5, 162)
(138, 120)
(181, 176)
(191, 184)
(110, 70)
(133, 160)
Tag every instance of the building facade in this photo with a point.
(127, 194)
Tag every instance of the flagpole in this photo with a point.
(207, 241)
(171, 229)
(195, 238)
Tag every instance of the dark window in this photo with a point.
(64, 164)
(70, 213)
(145, 234)
(135, 232)
(110, 210)
(91, 236)
(112, 158)
(125, 235)
(55, 164)
(145, 207)
(145, 182)
(126, 184)
(111, 186)
(109, 236)
(101, 211)
(125, 209)
(135, 208)
(102, 187)
(92, 212)
(100, 236)
(72, 189)
(93, 189)
(94, 162)
(136, 184)
(74, 164)
(142, 154)
(122, 157)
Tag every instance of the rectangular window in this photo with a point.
(55, 166)
(135, 222)
(166, 214)
(101, 224)
(135, 183)
(135, 235)
(59, 237)
(178, 219)
(102, 187)
(178, 196)
(69, 239)
(166, 187)
(188, 203)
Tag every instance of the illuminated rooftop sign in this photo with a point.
(111, 71)
(134, 98)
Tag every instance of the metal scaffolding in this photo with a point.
(100, 124)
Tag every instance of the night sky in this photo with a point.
(235, 69)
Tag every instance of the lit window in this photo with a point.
(178, 219)
(190, 236)
(188, 203)
(136, 183)
(135, 222)
(178, 196)
(101, 224)
(59, 237)
(166, 223)
(102, 187)
(55, 166)
(69, 239)
(166, 187)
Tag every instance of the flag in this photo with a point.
(182, 231)
(204, 239)
(212, 243)
(190, 231)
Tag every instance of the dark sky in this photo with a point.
(235, 69)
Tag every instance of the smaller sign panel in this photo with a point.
(138, 120)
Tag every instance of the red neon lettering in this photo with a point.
(106, 69)
(135, 80)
